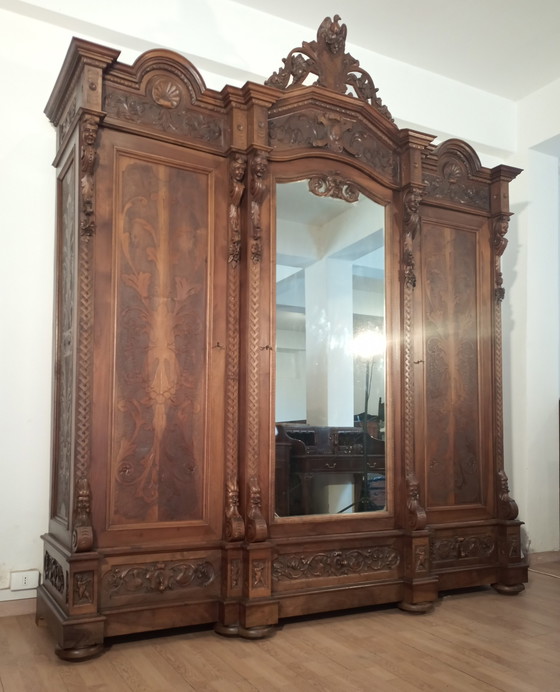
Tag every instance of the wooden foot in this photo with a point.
(226, 630)
(509, 589)
(420, 608)
(256, 632)
(80, 654)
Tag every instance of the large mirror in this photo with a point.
(330, 350)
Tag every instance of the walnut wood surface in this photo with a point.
(163, 489)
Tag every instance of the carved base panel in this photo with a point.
(341, 598)
(138, 620)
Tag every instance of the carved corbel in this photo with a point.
(411, 221)
(416, 513)
(499, 243)
(259, 170)
(238, 167)
(257, 529)
(82, 535)
(507, 507)
(88, 157)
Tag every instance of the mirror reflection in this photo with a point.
(330, 353)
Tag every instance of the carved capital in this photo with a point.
(507, 507)
(416, 513)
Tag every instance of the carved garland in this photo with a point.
(334, 563)
(234, 525)
(411, 226)
(256, 529)
(334, 68)
(82, 535)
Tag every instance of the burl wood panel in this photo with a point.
(453, 450)
(158, 471)
(66, 337)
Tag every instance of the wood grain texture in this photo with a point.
(474, 641)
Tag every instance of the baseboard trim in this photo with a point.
(549, 556)
(21, 606)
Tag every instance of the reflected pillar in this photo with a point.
(329, 335)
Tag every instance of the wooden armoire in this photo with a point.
(180, 494)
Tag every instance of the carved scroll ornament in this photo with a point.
(332, 185)
(334, 68)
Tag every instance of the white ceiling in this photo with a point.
(506, 47)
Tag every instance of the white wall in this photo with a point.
(232, 43)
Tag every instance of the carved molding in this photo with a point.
(53, 573)
(158, 577)
(332, 185)
(332, 131)
(256, 528)
(334, 68)
(462, 547)
(334, 563)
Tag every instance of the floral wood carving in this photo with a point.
(411, 203)
(332, 185)
(334, 563)
(158, 577)
(454, 184)
(325, 58)
(162, 109)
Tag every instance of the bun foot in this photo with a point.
(226, 630)
(509, 589)
(420, 608)
(80, 654)
(256, 632)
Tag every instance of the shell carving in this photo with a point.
(166, 93)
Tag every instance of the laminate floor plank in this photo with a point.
(473, 641)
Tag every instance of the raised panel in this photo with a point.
(452, 365)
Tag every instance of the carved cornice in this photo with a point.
(335, 563)
(334, 68)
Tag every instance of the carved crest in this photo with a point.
(334, 68)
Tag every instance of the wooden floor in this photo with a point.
(473, 641)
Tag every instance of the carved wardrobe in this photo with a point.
(222, 452)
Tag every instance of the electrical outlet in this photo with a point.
(24, 581)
